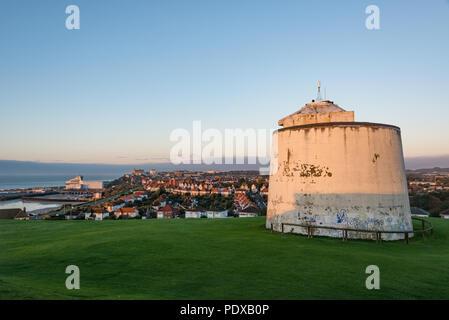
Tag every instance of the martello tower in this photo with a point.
(329, 170)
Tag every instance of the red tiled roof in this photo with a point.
(126, 210)
(167, 208)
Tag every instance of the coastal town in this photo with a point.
(190, 194)
(428, 191)
(153, 195)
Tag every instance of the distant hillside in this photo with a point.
(427, 162)
(429, 170)
(12, 168)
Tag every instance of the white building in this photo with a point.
(101, 215)
(195, 212)
(248, 212)
(217, 214)
(198, 212)
(78, 183)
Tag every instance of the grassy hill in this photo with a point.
(211, 259)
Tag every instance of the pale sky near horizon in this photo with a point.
(113, 91)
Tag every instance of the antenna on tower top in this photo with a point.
(318, 97)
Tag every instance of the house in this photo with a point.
(444, 214)
(128, 199)
(195, 192)
(100, 214)
(240, 191)
(89, 216)
(217, 214)
(225, 192)
(152, 187)
(140, 195)
(126, 212)
(112, 208)
(254, 189)
(166, 212)
(248, 212)
(244, 186)
(98, 195)
(195, 212)
(17, 214)
(241, 202)
(264, 191)
(72, 216)
(138, 172)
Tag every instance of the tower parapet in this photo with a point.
(317, 112)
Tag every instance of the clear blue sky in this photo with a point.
(113, 91)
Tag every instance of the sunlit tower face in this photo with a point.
(334, 172)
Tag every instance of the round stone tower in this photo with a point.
(327, 170)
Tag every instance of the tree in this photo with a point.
(435, 206)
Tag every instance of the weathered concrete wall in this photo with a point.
(299, 119)
(342, 175)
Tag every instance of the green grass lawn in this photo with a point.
(211, 259)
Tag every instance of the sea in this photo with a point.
(38, 181)
(30, 206)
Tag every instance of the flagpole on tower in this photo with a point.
(318, 97)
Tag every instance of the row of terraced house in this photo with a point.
(199, 189)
